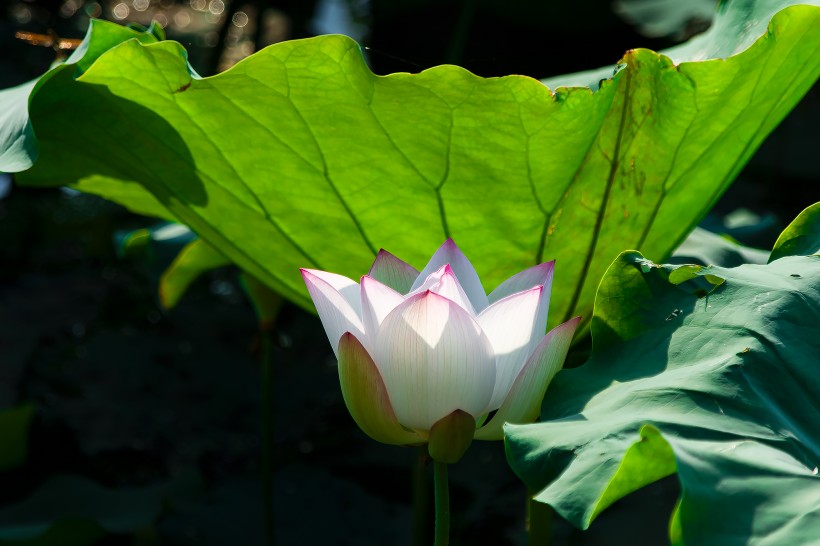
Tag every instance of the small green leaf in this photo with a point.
(196, 258)
(133, 242)
(684, 273)
(801, 237)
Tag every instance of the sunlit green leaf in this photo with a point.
(721, 388)
(300, 157)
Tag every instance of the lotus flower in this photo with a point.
(427, 357)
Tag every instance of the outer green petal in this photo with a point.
(451, 436)
(523, 403)
(366, 396)
(395, 273)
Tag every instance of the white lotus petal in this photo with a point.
(539, 275)
(512, 325)
(395, 273)
(377, 302)
(349, 289)
(445, 283)
(434, 359)
(331, 296)
(523, 403)
(449, 253)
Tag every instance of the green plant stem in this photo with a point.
(442, 504)
(421, 499)
(267, 435)
(539, 523)
(459, 37)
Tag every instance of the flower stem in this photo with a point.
(267, 435)
(442, 504)
(459, 37)
(266, 305)
(421, 501)
(539, 523)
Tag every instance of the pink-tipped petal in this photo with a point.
(444, 282)
(523, 403)
(377, 302)
(539, 275)
(331, 296)
(366, 396)
(395, 273)
(512, 325)
(347, 288)
(449, 253)
(434, 359)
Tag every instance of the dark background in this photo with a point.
(131, 395)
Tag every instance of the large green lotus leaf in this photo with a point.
(715, 378)
(18, 144)
(300, 157)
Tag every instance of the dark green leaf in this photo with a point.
(721, 387)
(706, 248)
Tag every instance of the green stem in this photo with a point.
(458, 41)
(539, 523)
(442, 504)
(421, 502)
(267, 434)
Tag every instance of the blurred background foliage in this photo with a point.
(110, 394)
